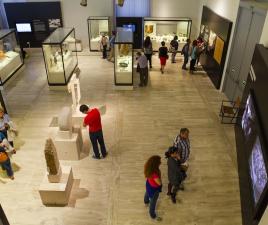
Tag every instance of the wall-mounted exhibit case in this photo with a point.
(123, 66)
(252, 141)
(215, 31)
(10, 55)
(60, 60)
(97, 27)
(164, 29)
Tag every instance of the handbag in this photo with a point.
(3, 157)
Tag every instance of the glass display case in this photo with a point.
(97, 27)
(164, 29)
(60, 59)
(123, 47)
(10, 54)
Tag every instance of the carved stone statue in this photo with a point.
(51, 158)
(74, 88)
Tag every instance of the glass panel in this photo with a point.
(10, 56)
(69, 57)
(54, 64)
(57, 36)
(97, 29)
(165, 31)
(123, 63)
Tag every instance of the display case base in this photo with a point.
(123, 88)
(57, 193)
(58, 88)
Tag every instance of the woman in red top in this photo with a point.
(163, 56)
(153, 184)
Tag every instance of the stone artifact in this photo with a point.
(124, 49)
(74, 89)
(51, 158)
(65, 119)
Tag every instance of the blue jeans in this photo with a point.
(152, 202)
(7, 166)
(97, 137)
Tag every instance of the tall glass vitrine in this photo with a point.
(60, 59)
(97, 27)
(123, 66)
(164, 29)
(10, 54)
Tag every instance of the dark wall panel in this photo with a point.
(40, 15)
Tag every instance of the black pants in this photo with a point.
(97, 137)
(143, 76)
(186, 59)
(192, 64)
(149, 58)
(104, 51)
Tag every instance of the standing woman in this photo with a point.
(193, 56)
(153, 184)
(163, 56)
(148, 50)
(104, 42)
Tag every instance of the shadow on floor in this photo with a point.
(77, 193)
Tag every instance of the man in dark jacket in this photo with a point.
(185, 52)
(175, 175)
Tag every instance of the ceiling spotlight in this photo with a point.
(83, 3)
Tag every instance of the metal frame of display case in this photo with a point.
(3, 34)
(171, 19)
(132, 54)
(94, 18)
(60, 43)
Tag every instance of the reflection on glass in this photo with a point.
(248, 119)
(257, 170)
(10, 54)
(165, 31)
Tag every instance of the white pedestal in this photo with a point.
(69, 149)
(57, 193)
(78, 117)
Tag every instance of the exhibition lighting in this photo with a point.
(120, 2)
(83, 3)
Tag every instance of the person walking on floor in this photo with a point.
(143, 69)
(153, 184)
(148, 49)
(185, 52)
(93, 121)
(104, 42)
(163, 56)
(175, 175)
(193, 56)
(174, 45)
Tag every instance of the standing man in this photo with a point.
(185, 52)
(104, 42)
(93, 121)
(174, 45)
(143, 65)
(112, 40)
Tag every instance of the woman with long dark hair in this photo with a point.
(153, 184)
(193, 56)
(148, 49)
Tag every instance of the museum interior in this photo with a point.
(57, 56)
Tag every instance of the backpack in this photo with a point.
(3, 157)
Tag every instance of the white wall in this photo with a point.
(75, 15)
(178, 8)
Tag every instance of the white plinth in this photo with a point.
(77, 117)
(69, 149)
(57, 193)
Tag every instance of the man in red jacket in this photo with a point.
(93, 121)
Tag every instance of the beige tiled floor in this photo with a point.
(136, 125)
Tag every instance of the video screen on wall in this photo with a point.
(23, 27)
(249, 119)
(258, 171)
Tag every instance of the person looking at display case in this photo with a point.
(163, 56)
(148, 49)
(193, 56)
(93, 121)
(111, 42)
(185, 52)
(174, 45)
(104, 42)
(143, 69)
(153, 184)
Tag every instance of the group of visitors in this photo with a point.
(177, 161)
(7, 133)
